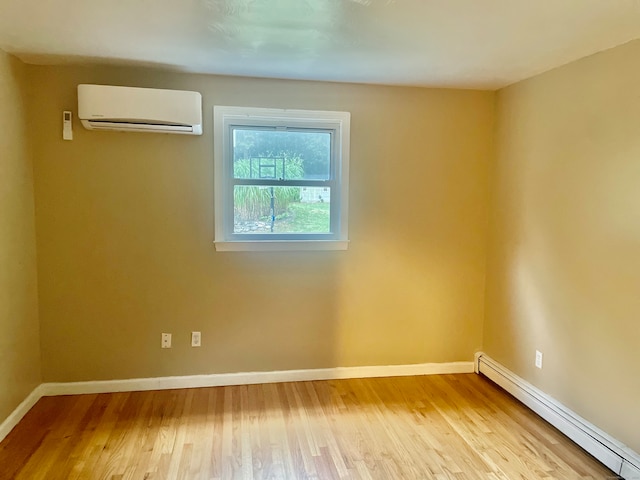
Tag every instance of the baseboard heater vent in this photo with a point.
(616, 456)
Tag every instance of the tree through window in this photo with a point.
(281, 176)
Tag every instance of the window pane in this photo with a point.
(258, 209)
(288, 155)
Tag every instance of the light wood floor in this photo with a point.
(428, 427)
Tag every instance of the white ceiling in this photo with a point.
(452, 43)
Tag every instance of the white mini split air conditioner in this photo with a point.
(133, 109)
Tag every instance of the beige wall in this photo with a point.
(125, 230)
(564, 263)
(19, 337)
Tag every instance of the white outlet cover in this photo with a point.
(196, 338)
(538, 359)
(166, 340)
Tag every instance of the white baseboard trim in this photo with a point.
(20, 411)
(225, 379)
(249, 378)
(612, 453)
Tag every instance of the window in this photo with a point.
(281, 179)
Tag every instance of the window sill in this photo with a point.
(281, 245)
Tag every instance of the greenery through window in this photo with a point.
(280, 156)
(280, 178)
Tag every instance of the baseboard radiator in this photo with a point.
(610, 452)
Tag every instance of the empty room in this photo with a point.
(320, 239)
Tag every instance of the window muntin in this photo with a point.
(281, 176)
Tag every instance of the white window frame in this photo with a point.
(224, 120)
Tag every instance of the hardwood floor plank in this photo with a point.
(176, 449)
(56, 442)
(22, 444)
(214, 430)
(277, 434)
(69, 456)
(85, 451)
(450, 427)
(196, 431)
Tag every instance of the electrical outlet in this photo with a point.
(538, 359)
(196, 338)
(166, 340)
